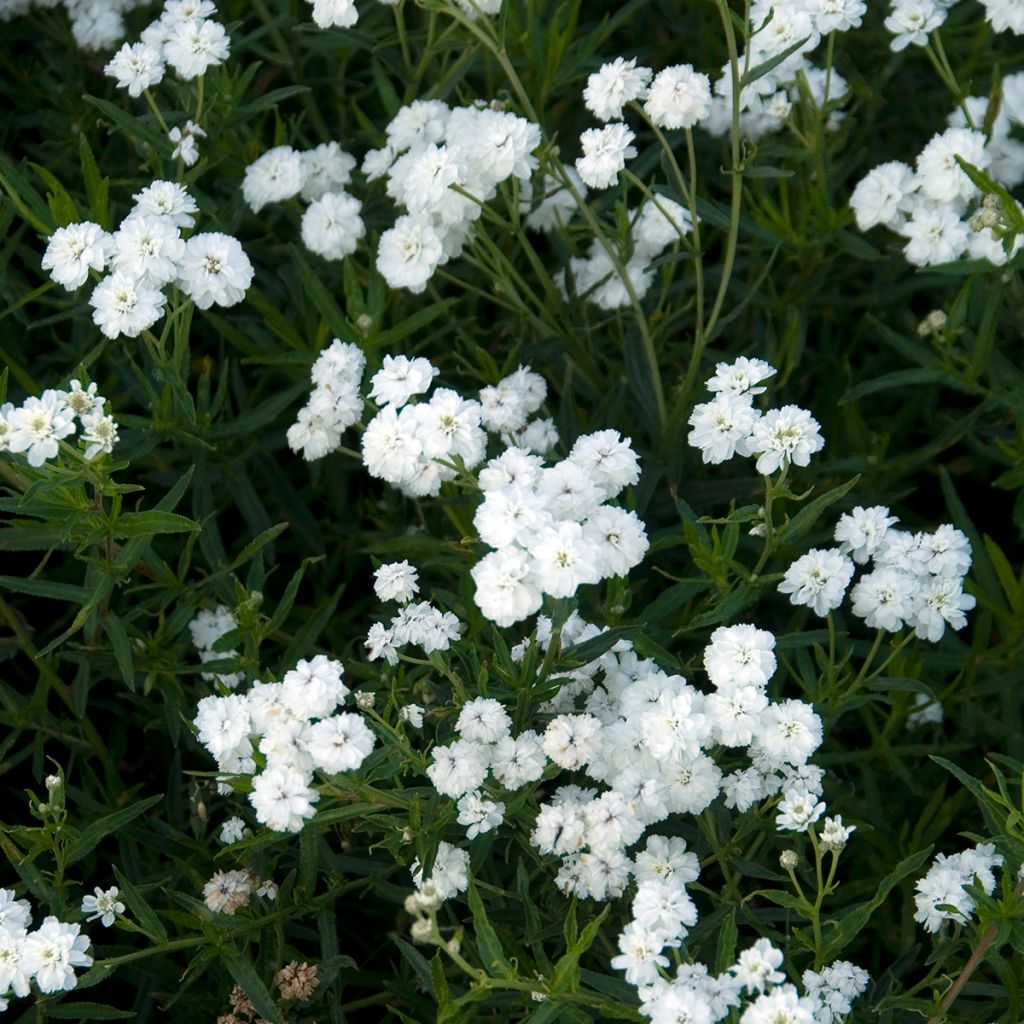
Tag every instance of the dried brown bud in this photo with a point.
(296, 980)
(240, 1002)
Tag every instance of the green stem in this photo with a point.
(735, 171)
(156, 111)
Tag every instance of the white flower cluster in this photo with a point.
(419, 623)
(778, 25)
(644, 734)
(334, 404)
(144, 255)
(915, 579)
(38, 425)
(95, 24)
(206, 629)
(730, 424)
(935, 206)
(183, 36)
(48, 955)
(281, 734)
(911, 22)
(332, 224)
(442, 165)
(654, 226)
(677, 97)
(941, 895)
(755, 982)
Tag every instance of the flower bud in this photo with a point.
(788, 859)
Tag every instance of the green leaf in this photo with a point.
(901, 379)
(136, 128)
(492, 956)
(114, 628)
(770, 65)
(91, 836)
(145, 916)
(144, 524)
(321, 298)
(805, 519)
(86, 1011)
(45, 588)
(252, 985)
(97, 188)
(855, 918)
(416, 960)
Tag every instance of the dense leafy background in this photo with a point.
(932, 427)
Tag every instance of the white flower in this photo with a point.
(215, 269)
(326, 168)
(395, 581)
(741, 654)
(640, 955)
(835, 835)
(15, 914)
(605, 152)
(608, 459)
(818, 579)
(332, 225)
(334, 13)
(413, 714)
(783, 436)
(167, 199)
(449, 873)
(194, 46)
(479, 815)
(619, 540)
(940, 601)
(941, 177)
(564, 559)
(572, 740)
(741, 377)
(758, 966)
(483, 720)
(186, 144)
(340, 743)
(790, 732)
(935, 234)
(99, 433)
(506, 589)
(409, 253)
(274, 177)
(457, 768)
(798, 810)
(862, 532)
(613, 86)
(722, 427)
(124, 305)
(136, 67)
(73, 251)
(148, 248)
(885, 598)
(399, 378)
(282, 799)
(232, 831)
(881, 195)
(679, 97)
(52, 952)
(103, 906)
(515, 762)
